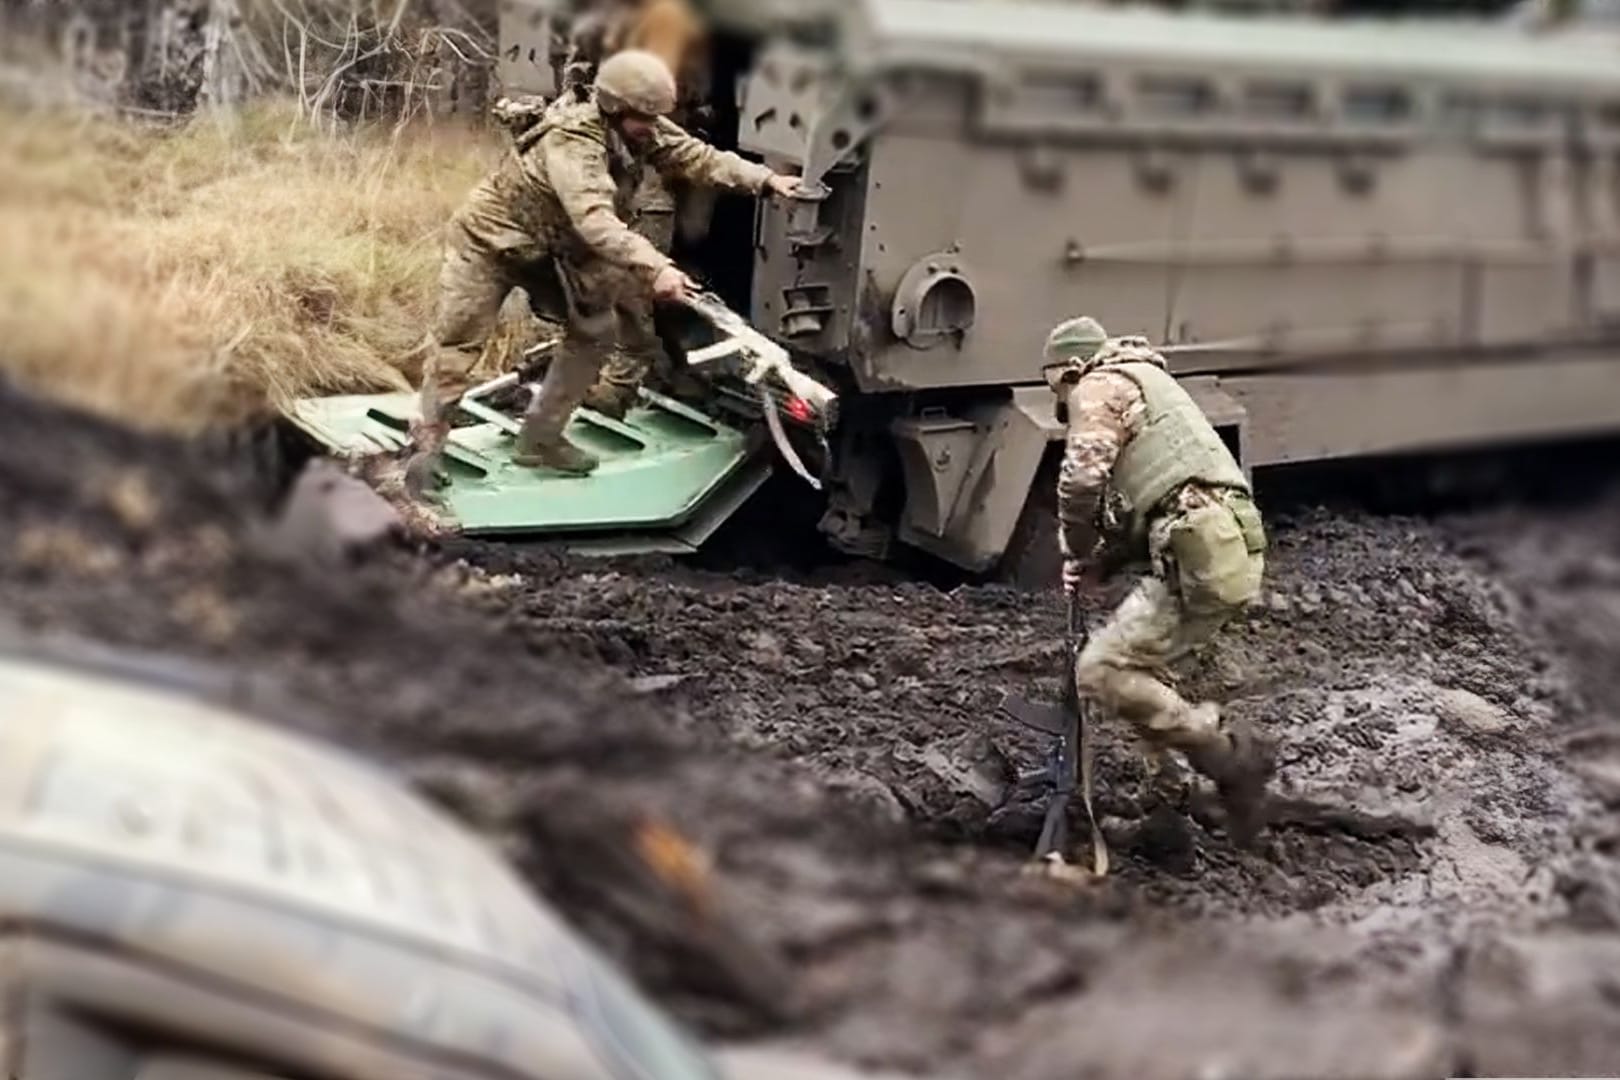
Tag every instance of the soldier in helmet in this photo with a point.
(1147, 480)
(551, 220)
(671, 30)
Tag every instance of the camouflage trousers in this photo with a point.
(654, 219)
(474, 282)
(601, 306)
(1207, 557)
(607, 310)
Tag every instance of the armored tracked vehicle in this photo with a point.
(1350, 237)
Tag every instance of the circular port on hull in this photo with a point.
(935, 300)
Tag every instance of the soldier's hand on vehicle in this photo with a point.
(672, 284)
(784, 185)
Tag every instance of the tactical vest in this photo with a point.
(1175, 444)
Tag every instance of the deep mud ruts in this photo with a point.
(1439, 895)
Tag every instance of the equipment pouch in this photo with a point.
(1248, 519)
(1213, 563)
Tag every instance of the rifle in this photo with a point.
(739, 351)
(764, 366)
(1073, 759)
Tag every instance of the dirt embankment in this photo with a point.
(1439, 894)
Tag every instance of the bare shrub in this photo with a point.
(348, 59)
(337, 59)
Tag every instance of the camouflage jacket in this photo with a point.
(568, 185)
(1106, 410)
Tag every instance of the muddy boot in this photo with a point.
(561, 456)
(557, 454)
(1167, 779)
(427, 435)
(1241, 762)
(427, 450)
(419, 473)
(610, 399)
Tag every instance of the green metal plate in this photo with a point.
(658, 466)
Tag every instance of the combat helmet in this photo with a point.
(635, 81)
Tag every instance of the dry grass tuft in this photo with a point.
(366, 58)
(191, 277)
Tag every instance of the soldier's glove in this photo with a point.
(1074, 574)
(672, 284)
(783, 185)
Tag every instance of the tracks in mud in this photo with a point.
(1426, 816)
(886, 691)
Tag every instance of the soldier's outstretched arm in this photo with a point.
(1105, 409)
(680, 156)
(579, 177)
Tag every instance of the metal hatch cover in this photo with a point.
(659, 466)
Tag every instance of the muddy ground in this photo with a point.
(1440, 893)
